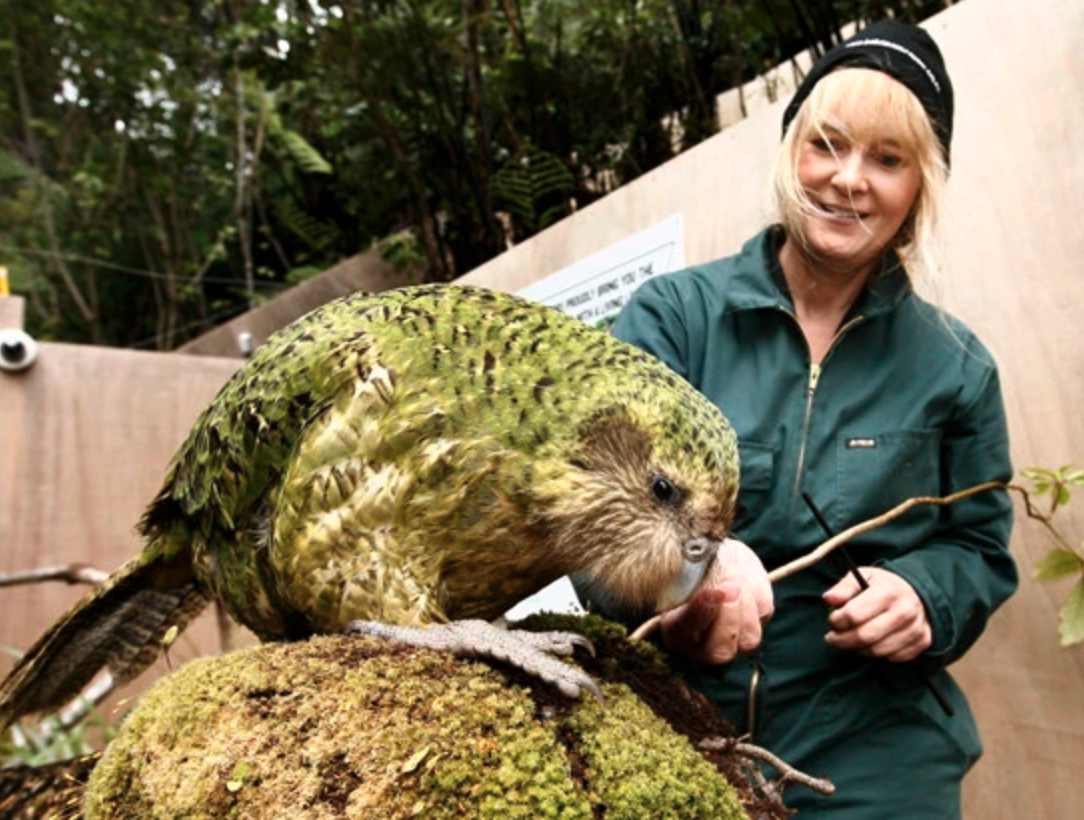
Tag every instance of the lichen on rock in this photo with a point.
(351, 727)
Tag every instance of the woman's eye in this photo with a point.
(665, 492)
(889, 160)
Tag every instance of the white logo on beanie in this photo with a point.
(902, 50)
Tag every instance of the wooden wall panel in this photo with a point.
(86, 435)
(1014, 274)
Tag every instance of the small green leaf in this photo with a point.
(1071, 627)
(416, 759)
(170, 636)
(1063, 496)
(238, 777)
(1057, 564)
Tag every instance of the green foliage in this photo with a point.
(13, 171)
(307, 158)
(1057, 483)
(1058, 563)
(166, 152)
(402, 250)
(1064, 561)
(535, 188)
(50, 742)
(1072, 616)
(316, 234)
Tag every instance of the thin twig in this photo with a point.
(645, 629)
(824, 549)
(787, 773)
(70, 573)
(808, 560)
(1045, 519)
(227, 635)
(79, 709)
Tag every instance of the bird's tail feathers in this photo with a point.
(120, 625)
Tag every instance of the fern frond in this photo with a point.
(534, 188)
(315, 233)
(307, 158)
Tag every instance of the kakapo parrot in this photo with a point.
(424, 457)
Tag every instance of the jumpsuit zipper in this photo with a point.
(811, 389)
(815, 370)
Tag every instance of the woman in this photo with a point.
(845, 386)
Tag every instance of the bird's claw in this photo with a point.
(556, 643)
(527, 651)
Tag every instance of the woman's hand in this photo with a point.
(887, 620)
(726, 615)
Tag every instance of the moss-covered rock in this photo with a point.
(345, 727)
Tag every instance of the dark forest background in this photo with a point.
(167, 164)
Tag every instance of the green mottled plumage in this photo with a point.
(425, 454)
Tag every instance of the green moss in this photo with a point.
(347, 727)
(639, 768)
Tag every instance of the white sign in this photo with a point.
(596, 288)
(559, 598)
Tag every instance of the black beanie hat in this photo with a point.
(901, 50)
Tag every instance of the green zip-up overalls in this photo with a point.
(906, 403)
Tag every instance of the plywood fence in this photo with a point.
(86, 434)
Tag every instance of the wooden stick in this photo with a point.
(787, 773)
(808, 560)
(70, 573)
(850, 533)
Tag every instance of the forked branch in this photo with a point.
(69, 573)
(787, 773)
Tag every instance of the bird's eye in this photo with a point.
(665, 491)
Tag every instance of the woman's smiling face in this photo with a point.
(861, 184)
(860, 172)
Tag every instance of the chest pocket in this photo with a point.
(758, 465)
(876, 472)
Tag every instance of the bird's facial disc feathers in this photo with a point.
(646, 511)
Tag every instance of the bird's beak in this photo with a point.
(698, 555)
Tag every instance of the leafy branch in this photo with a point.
(1065, 560)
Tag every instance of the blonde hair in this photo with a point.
(854, 102)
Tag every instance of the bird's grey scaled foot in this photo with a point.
(527, 651)
(555, 643)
